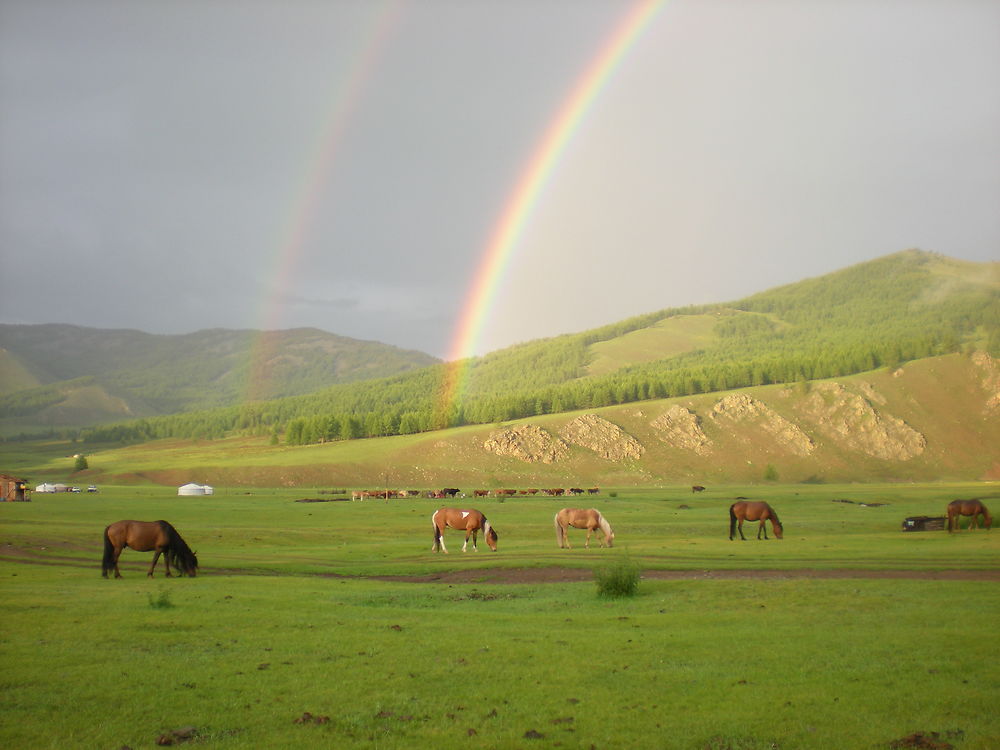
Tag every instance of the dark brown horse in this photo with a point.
(582, 518)
(144, 536)
(469, 521)
(974, 508)
(749, 510)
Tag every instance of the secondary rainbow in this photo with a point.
(526, 194)
(303, 208)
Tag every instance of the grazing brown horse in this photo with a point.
(749, 510)
(581, 518)
(974, 508)
(144, 536)
(469, 521)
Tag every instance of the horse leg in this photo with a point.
(156, 556)
(763, 528)
(118, 553)
(166, 561)
(565, 536)
(739, 527)
(467, 535)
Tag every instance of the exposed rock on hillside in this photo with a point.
(991, 379)
(854, 423)
(681, 428)
(604, 438)
(529, 443)
(739, 408)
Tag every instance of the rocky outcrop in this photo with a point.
(990, 379)
(853, 422)
(740, 409)
(604, 438)
(529, 443)
(681, 428)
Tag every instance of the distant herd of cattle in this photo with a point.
(455, 492)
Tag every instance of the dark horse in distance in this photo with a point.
(750, 510)
(144, 536)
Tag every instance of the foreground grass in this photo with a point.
(271, 630)
(95, 663)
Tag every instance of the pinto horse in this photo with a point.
(580, 518)
(144, 536)
(749, 510)
(974, 508)
(469, 521)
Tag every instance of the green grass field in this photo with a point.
(286, 618)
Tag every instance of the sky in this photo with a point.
(346, 164)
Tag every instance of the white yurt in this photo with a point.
(191, 489)
(45, 487)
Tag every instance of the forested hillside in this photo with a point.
(66, 375)
(902, 307)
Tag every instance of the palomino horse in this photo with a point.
(749, 510)
(974, 508)
(144, 536)
(581, 518)
(469, 521)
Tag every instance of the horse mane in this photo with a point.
(605, 526)
(774, 517)
(178, 551)
(488, 529)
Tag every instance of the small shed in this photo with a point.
(195, 489)
(14, 490)
(924, 523)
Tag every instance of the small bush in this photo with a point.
(162, 601)
(618, 579)
(612, 494)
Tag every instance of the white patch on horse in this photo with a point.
(465, 513)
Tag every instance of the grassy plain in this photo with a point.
(286, 619)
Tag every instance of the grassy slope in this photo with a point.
(666, 338)
(941, 397)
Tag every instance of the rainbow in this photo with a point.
(526, 194)
(343, 104)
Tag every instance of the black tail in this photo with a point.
(732, 521)
(108, 563)
(178, 551)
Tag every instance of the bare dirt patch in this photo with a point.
(572, 575)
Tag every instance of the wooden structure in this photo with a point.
(924, 523)
(14, 490)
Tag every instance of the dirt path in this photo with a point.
(554, 574)
(571, 575)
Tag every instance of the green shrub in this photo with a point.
(162, 601)
(618, 579)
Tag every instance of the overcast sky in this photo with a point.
(174, 165)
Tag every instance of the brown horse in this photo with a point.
(974, 508)
(144, 536)
(469, 521)
(580, 518)
(749, 510)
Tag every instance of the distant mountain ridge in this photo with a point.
(65, 375)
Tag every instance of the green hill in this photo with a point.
(932, 419)
(62, 375)
(903, 307)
